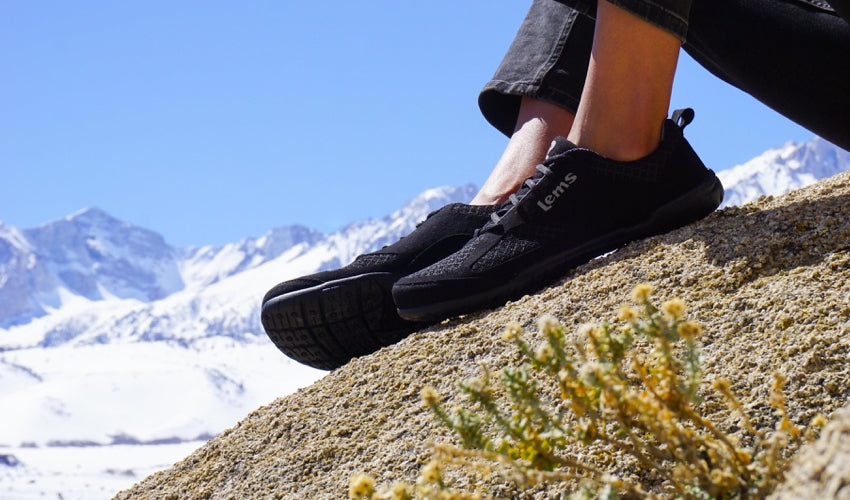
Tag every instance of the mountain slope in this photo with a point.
(783, 169)
(770, 281)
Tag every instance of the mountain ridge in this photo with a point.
(93, 255)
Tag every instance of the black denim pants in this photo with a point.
(792, 55)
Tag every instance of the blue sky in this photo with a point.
(209, 121)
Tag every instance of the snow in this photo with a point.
(14, 237)
(141, 392)
(82, 473)
(91, 420)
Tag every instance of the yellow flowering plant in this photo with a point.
(632, 392)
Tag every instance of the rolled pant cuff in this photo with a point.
(669, 15)
(547, 60)
(499, 101)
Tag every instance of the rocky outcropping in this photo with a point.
(822, 469)
(770, 282)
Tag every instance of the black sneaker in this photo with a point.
(578, 206)
(325, 319)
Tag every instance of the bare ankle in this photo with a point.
(491, 197)
(538, 123)
(627, 91)
(617, 143)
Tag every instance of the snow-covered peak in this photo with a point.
(788, 167)
(432, 199)
(281, 239)
(101, 235)
(202, 266)
(88, 255)
(96, 255)
(95, 216)
(372, 234)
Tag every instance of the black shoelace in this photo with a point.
(515, 198)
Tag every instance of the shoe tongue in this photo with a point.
(559, 145)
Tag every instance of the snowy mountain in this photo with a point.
(783, 169)
(103, 280)
(89, 254)
(115, 344)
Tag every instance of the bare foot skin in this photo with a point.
(538, 123)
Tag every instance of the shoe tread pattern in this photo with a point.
(327, 326)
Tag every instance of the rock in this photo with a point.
(822, 469)
(8, 460)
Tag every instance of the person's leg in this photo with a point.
(627, 92)
(326, 318)
(538, 123)
(625, 97)
(790, 55)
(534, 93)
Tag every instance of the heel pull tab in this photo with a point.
(683, 117)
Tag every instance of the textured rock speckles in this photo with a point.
(822, 469)
(769, 281)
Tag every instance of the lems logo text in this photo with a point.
(546, 203)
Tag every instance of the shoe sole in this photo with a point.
(676, 213)
(326, 325)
